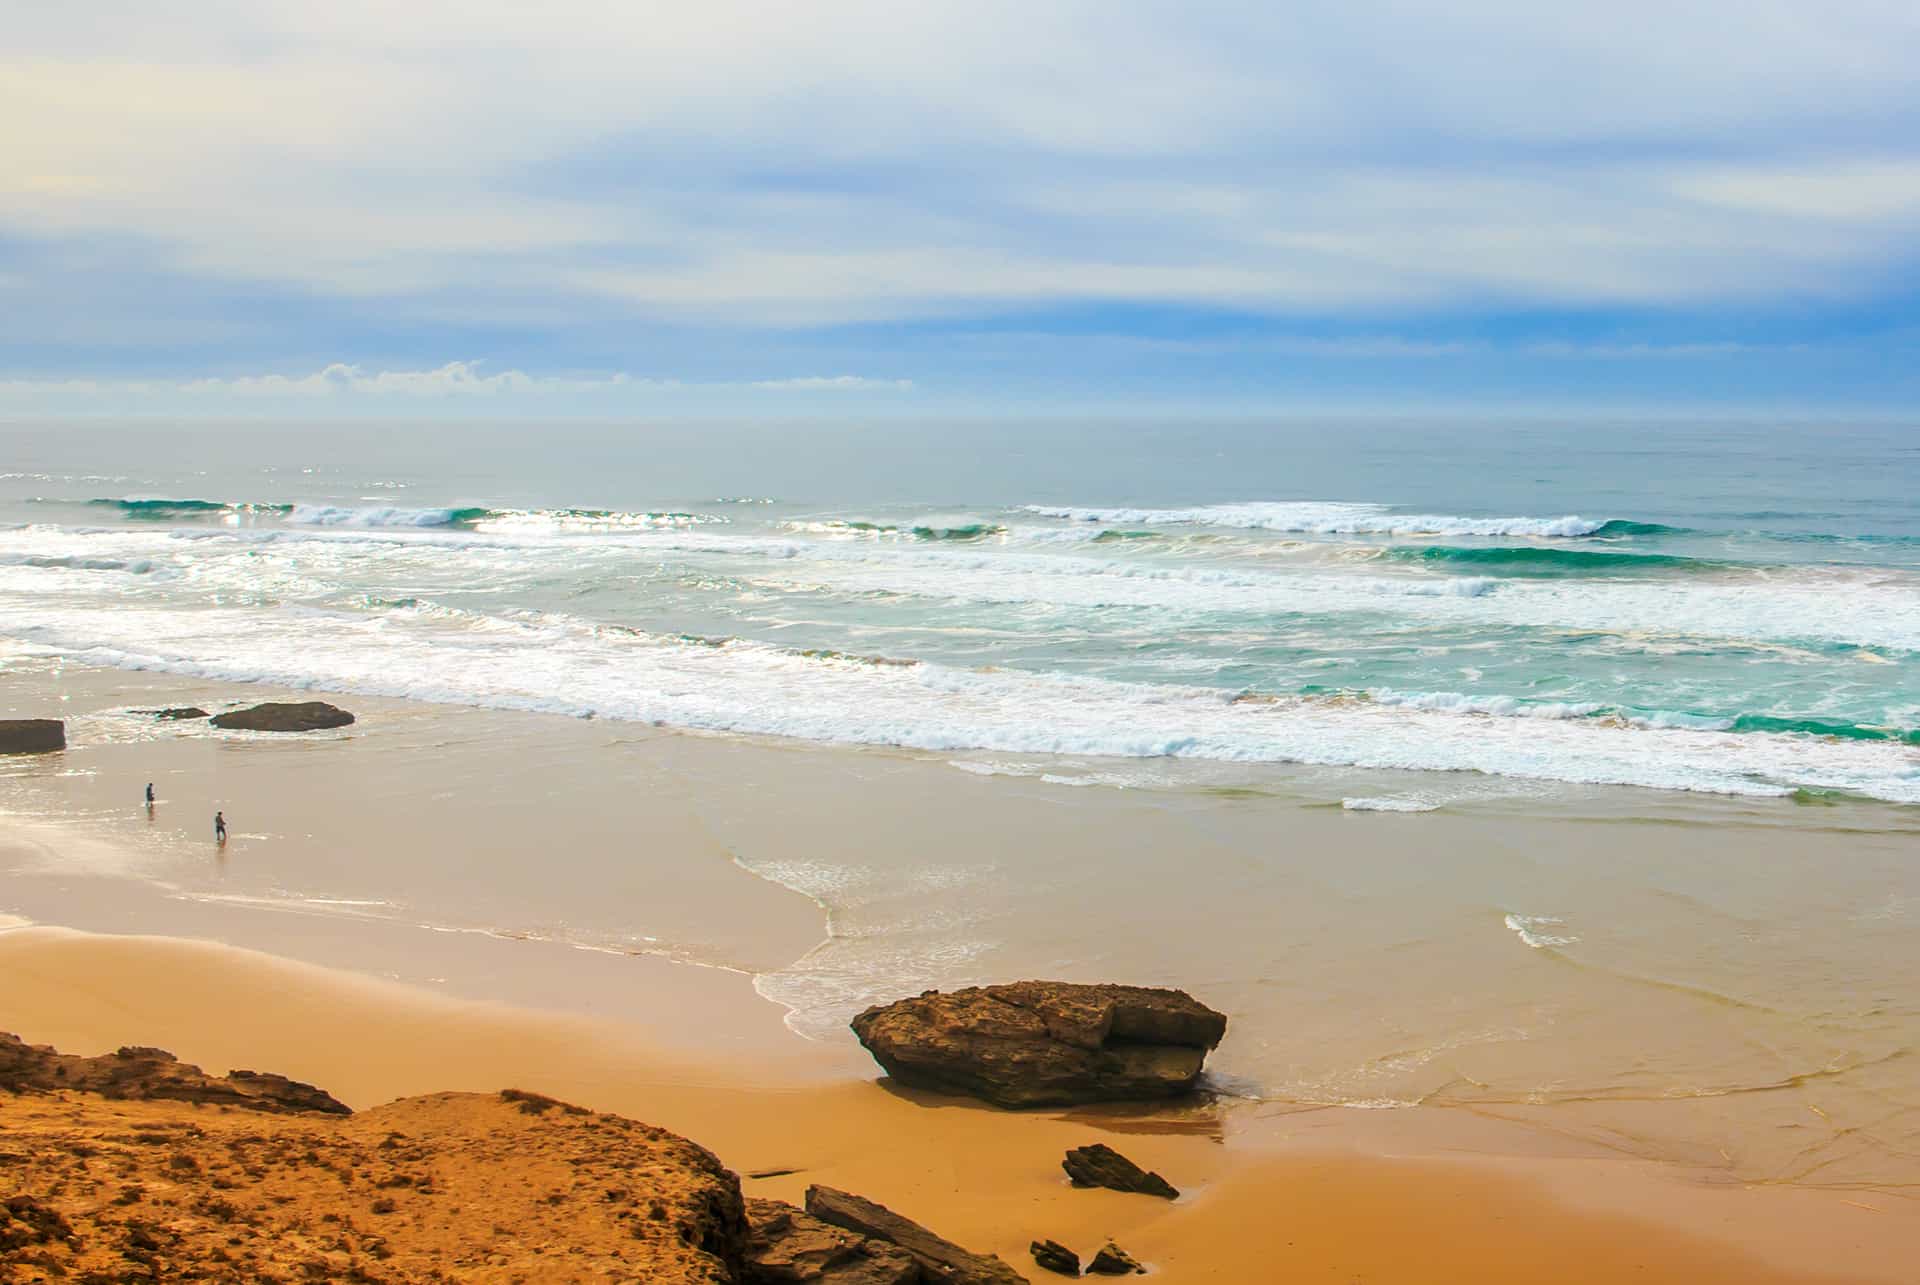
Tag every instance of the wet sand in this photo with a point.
(1318, 1199)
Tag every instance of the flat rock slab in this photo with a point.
(788, 1245)
(1099, 1165)
(1030, 1044)
(302, 716)
(134, 1074)
(940, 1260)
(181, 714)
(32, 735)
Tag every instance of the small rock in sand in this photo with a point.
(1113, 1261)
(1055, 1257)
(1099, 1165)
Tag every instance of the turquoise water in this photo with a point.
(1728, 608)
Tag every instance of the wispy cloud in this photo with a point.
(834, 384)
(454, 379)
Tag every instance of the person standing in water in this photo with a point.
(149, 793)
(219, 827)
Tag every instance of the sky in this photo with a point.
(256, 207)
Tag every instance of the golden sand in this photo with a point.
(1318, 1196)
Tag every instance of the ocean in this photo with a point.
(1726, 608)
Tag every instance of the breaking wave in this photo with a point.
(1313, 517)
(1548, 560)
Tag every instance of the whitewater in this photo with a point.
(1579, 634)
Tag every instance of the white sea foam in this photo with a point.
(271, 607)
(1315, 517)
(1390, 804)
(1541, 931)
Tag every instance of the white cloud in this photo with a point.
(454, 379)
(834, 383)
(861, 160)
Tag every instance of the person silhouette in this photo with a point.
(149, 793)
(219, 827)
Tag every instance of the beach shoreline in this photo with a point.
(164, 938)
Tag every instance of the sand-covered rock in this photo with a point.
(788, 1246)
(144, 1073)
(1098, 1165)
(1038, 1043)
(454, 1186)
(939, 1259)
(32, 735)
(285, 716)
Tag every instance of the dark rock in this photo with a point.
(1055, 1257)
(785, 1244)
(184, 713)
(939, 1260)
(139, 1073)
(32, 735)
(305, 716)
(1099, 1165)
(1113, 1261)
(1033, 1044)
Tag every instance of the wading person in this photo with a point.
(219, 827)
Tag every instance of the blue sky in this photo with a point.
(839, 208)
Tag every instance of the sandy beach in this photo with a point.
(301, 948)
(1315, 1197)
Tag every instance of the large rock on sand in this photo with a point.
(302, 716)
(32, 735)
(134, 1074)
(1031, 1044)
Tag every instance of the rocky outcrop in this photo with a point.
(1055, 1257)
(1113, 1261)
(180, 714)
(940, 1260)
(1099, 1165)
(786, 1246)
(143, 1073)
(1032, 1044)
(450, 1187)
(302, 716)
(32, 735)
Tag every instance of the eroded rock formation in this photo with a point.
(453, 1186)
(1034, 1043)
